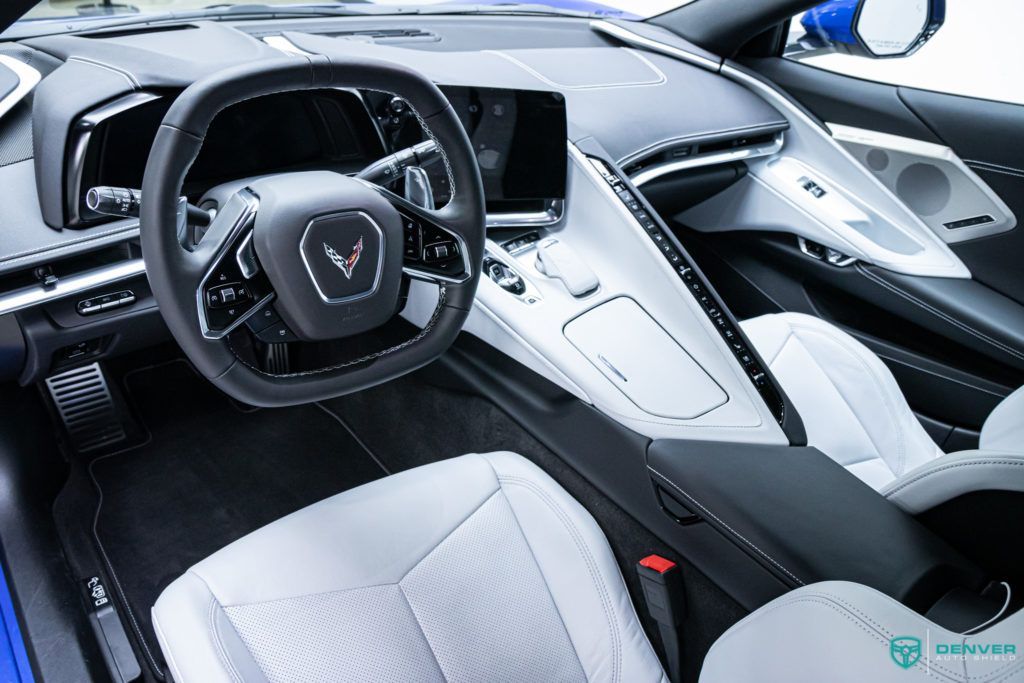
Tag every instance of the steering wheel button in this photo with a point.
(276, 333)
(263, 318)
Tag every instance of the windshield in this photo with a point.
(623, 9)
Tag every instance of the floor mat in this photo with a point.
(209, 474)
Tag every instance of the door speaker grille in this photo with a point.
(86, 407)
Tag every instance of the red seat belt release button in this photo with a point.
(657, 563)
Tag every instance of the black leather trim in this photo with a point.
(806, 519)
(964, 310)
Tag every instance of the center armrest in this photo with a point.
(807, 519)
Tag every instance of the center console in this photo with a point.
(607, 304)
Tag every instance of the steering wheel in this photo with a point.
(319, 254)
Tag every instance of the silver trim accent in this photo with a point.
(380, 258)
(530, 219)
(243, 220)
(402, 204)
(28, 77)
(637, 40)
(839, 262)
(710, 159)
(608, 364)
(71, 285)
(248, 272)
(78, 144)
(531, 295)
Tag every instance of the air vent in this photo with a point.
(389, 35)
(735, 143)
(682, 156)
(86, 407)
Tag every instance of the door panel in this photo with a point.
(955, 346)
(988, 136)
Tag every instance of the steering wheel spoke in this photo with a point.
(232, 286)
(433, 250)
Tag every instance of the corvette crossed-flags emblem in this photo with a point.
(347, 265)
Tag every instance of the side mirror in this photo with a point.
(877, 29)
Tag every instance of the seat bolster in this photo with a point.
(954, 475)
(197, 638)
(581, 572)
(850, 403)
(832, 631)
(1004, 428)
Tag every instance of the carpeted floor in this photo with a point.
(209, 474)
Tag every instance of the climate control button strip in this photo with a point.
(695, 284)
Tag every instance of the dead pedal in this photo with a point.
(86, 408)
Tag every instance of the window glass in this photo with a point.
(978, 52)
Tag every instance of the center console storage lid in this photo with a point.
(643, 361)
(806, 519)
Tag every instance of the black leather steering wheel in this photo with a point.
(323, 249)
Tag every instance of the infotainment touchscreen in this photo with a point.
(520, 142)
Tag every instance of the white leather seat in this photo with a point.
(854, 412)
(843, 632)
(479, 568)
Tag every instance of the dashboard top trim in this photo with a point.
(28, 78)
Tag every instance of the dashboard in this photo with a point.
(554, 109)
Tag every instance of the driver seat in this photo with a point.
(478, 568)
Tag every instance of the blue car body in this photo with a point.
(831, 22)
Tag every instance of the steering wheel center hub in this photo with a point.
(344, 256)
(332, 248)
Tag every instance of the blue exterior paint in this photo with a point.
(14, 664)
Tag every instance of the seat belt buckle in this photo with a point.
(665, 595)
(662, 582)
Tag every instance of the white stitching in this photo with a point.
(821, 599)
(934, 311)
(731, 530)
(996, 168)
(20, 255)
(584, 552)
(970, 463)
